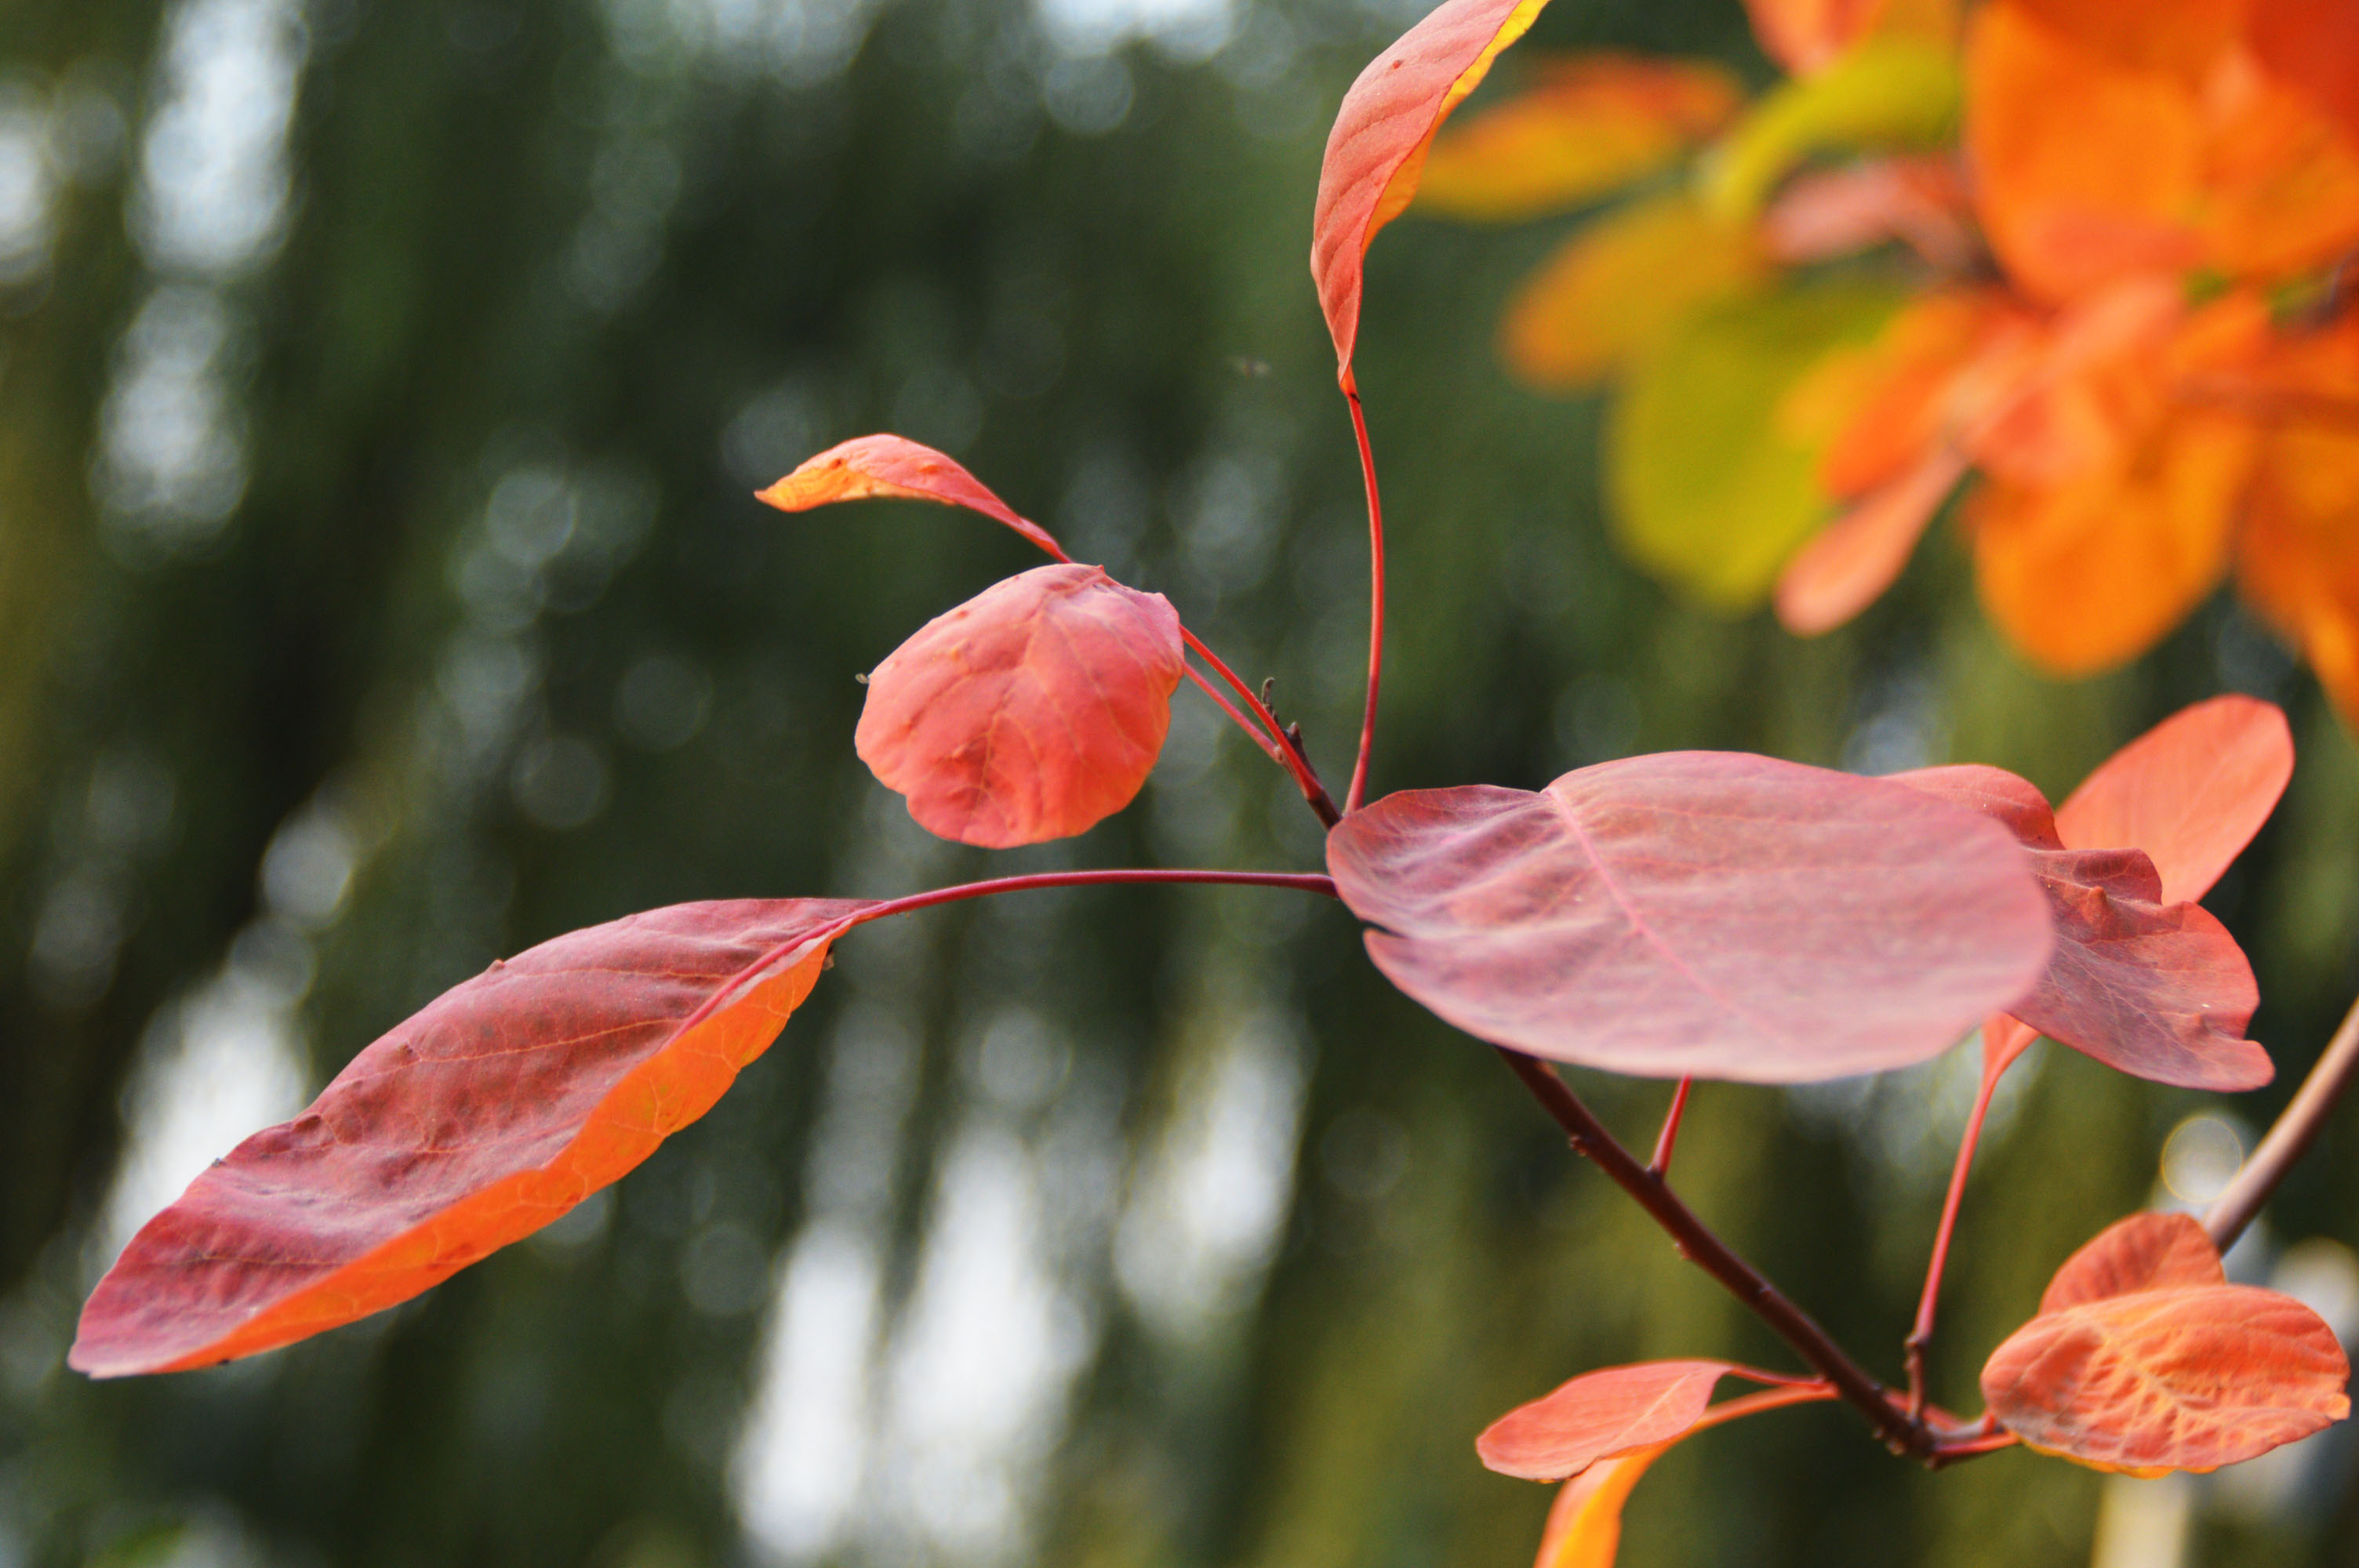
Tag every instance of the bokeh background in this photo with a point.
(382, 385)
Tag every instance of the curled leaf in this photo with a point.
(1030, 712)
(2148, 1251)
(1584, 1524)
(506, 1101)
(869, 466)
(2191, 792)
(1377, 146)
(1600, 1415)
(2190, 1378)
(1588, 125)
(1727, 915)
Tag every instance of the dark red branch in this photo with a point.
(2290, 1138)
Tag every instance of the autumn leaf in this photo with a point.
(1584, 1524)
(1588, 125)
(1919, 200)
(490, 1113)
(1619, 286)
(1854, 558)
(1600, 1415)
(1805, 35)
(2312, 46)
(2160, 991)
(2298, 555)
(1377, 146)
(2192, 791)
(1888, 95)
(1031, 712)
(889, 466)
(2143, 1359)
(1697, 912)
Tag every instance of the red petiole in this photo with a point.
(1357, 795)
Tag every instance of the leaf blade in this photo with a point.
(1584, 1523)
(2191, 792)
(891, 466)
(2152, 1250)
(1600, 1415)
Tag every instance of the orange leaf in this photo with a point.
(889, 466)
(1030, 712)
(1913, 387)
(1584, 1524)
(1599, 1415)
(1854, 558)
(2148, 1251)
(1588, 125)
(2185, 1379)
(2298, 551)
(503, 1104)
(1616, 288)
(2183, 38)
(1377, 146)
(1804, 36)
(2313, 45)
(2192, 791)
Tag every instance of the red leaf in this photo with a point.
(506, 1101)
(889, 466)
(2189, 1378)
(1030, 712)
(1600, 1415)
(2149, 1251)
(1584, 1524)
(2160, 991)
(1728, 915)
(2191, 792)
(1376, 148)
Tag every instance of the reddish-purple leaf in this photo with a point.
(2185, 1379)
(2159, 990)
(1030, 712)
(2191, 792)
(505, 1102)
(1696, 911)
(2148, 1251)
(1376, 148)
(889, 466)
(1599, 1415)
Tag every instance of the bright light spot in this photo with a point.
(27, 186)
(800, 1459)
(213, 176)
(172, 450)
(2199, 1159)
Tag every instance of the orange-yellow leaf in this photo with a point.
(2192, 791)
(1588, 125)
(2299, 550)
(1854, 558)
(1584, 1525)
(1030, 712)
(2185, 1379)
(889, 466)
(1377, 146)
(505, 1102)
(1599, 1415)
(1614, 289)
(2148, 1251)
(1911, 390)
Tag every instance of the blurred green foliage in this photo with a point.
(381, 592)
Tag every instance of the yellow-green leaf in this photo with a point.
(1711, 455)
(1886, 95)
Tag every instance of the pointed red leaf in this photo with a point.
(2189, 1378)
(503, 1104)
(2148, 1251)
(869, 466)
(1030, 712)
(1376, 148)
(1599, 1415)
(1727, 915)
(2160, 991)
(2191, 792)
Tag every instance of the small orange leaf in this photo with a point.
(2192, 791)
(1854, 558)
(1030, 712)
(1377, 146)
(1618, 286)
(503, 1104)
(889, 466)
(2185, 1379)
(1584, 1524)
(1589, 124)
(2148, 1251)
(1805, 35)
(2299, 550)
(1599, 1415)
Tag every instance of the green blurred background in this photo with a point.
(382, 386)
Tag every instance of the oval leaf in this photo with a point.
(1377, 147)
(1030, 712)
(1584, 1525)
(2149, 1251)
(505, 1102)
(1599, 1415)
(1727, 915)
(2191, 792)
(889, 466)
(2178, 1379)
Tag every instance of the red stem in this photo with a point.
(1697, 1243)
(2002, 1044)
(1281, 750)
(1358, 793)
(1800, 1392)
(1661, 1164)
(1308, 881)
